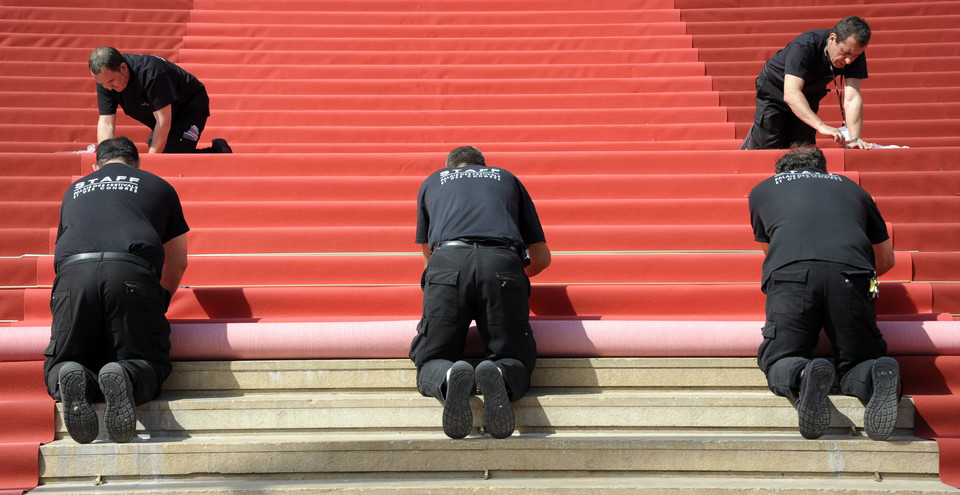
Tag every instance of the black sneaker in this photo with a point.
(497, 411)
(220, 145)
(880, 415)
(120, 415)
(78, 415)
(457, 416)
(814, 406)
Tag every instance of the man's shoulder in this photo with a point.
(812, 37)
(123, 169)
(809, 42)
(805, 176)
(148, 66)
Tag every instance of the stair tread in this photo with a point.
(435, 440)
(572, 485)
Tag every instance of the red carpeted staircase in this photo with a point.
(623, 119)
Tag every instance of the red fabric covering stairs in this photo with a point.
(905, 106)
(623, 118)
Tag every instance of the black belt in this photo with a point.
(132, 258)
(512, 247)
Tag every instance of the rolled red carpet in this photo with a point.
(28, 421)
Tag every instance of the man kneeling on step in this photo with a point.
(121, 251)
(825, 243)
(475, 225)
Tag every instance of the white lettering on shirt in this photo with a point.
(121, 183)
(806, 174)
(469, 173)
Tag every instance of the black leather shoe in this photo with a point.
(220, 145)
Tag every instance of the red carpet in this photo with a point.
(622, 118)
(934, 383)
(27, 413)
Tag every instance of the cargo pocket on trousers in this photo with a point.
(769, 330)
(151, 294)
(62, 312)
(514, 296)
(416, 345)
(440, 293)
(860, 302)
(785, 292)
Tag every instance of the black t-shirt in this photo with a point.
(119, 208)
(476, 203)
(154, 84)
(808, 215)
(803, 57)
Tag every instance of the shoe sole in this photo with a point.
(457, 416)
(78, 415)
(120, 414)
(497, 411)
(814, 408)
(880, 415)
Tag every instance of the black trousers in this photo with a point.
(775, 126)
(109, 311)
(181, 124)
(807, 296)
(485, 284)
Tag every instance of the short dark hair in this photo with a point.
(105, 56)
(800, 158)
(852, 26)
(119, 147)
(465, 155)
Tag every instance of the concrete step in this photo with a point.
(610, 394)
(525, 485)
(173, 417)
(432, 455)
(582, 374)
(657, 425)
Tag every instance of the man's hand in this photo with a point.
(539, 258)
(859, 144)
(832, 132)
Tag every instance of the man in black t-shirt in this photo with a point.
(156, 93)
(792, 83)
(481, 239)
(825, 243)
(121, 251)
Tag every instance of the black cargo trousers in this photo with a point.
(479, 283)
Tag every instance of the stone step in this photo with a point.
(620, 394)
(432, 455)
(662, 484)
(654, 425)
(621, 411)
(583, 374)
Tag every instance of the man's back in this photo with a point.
(119, 208)
(476, 202)
(809, 215)
(154, 84)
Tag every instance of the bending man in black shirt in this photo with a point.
(792, 83)
(825, 244)
(155, 92)
(121, 251)
(474, 225)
